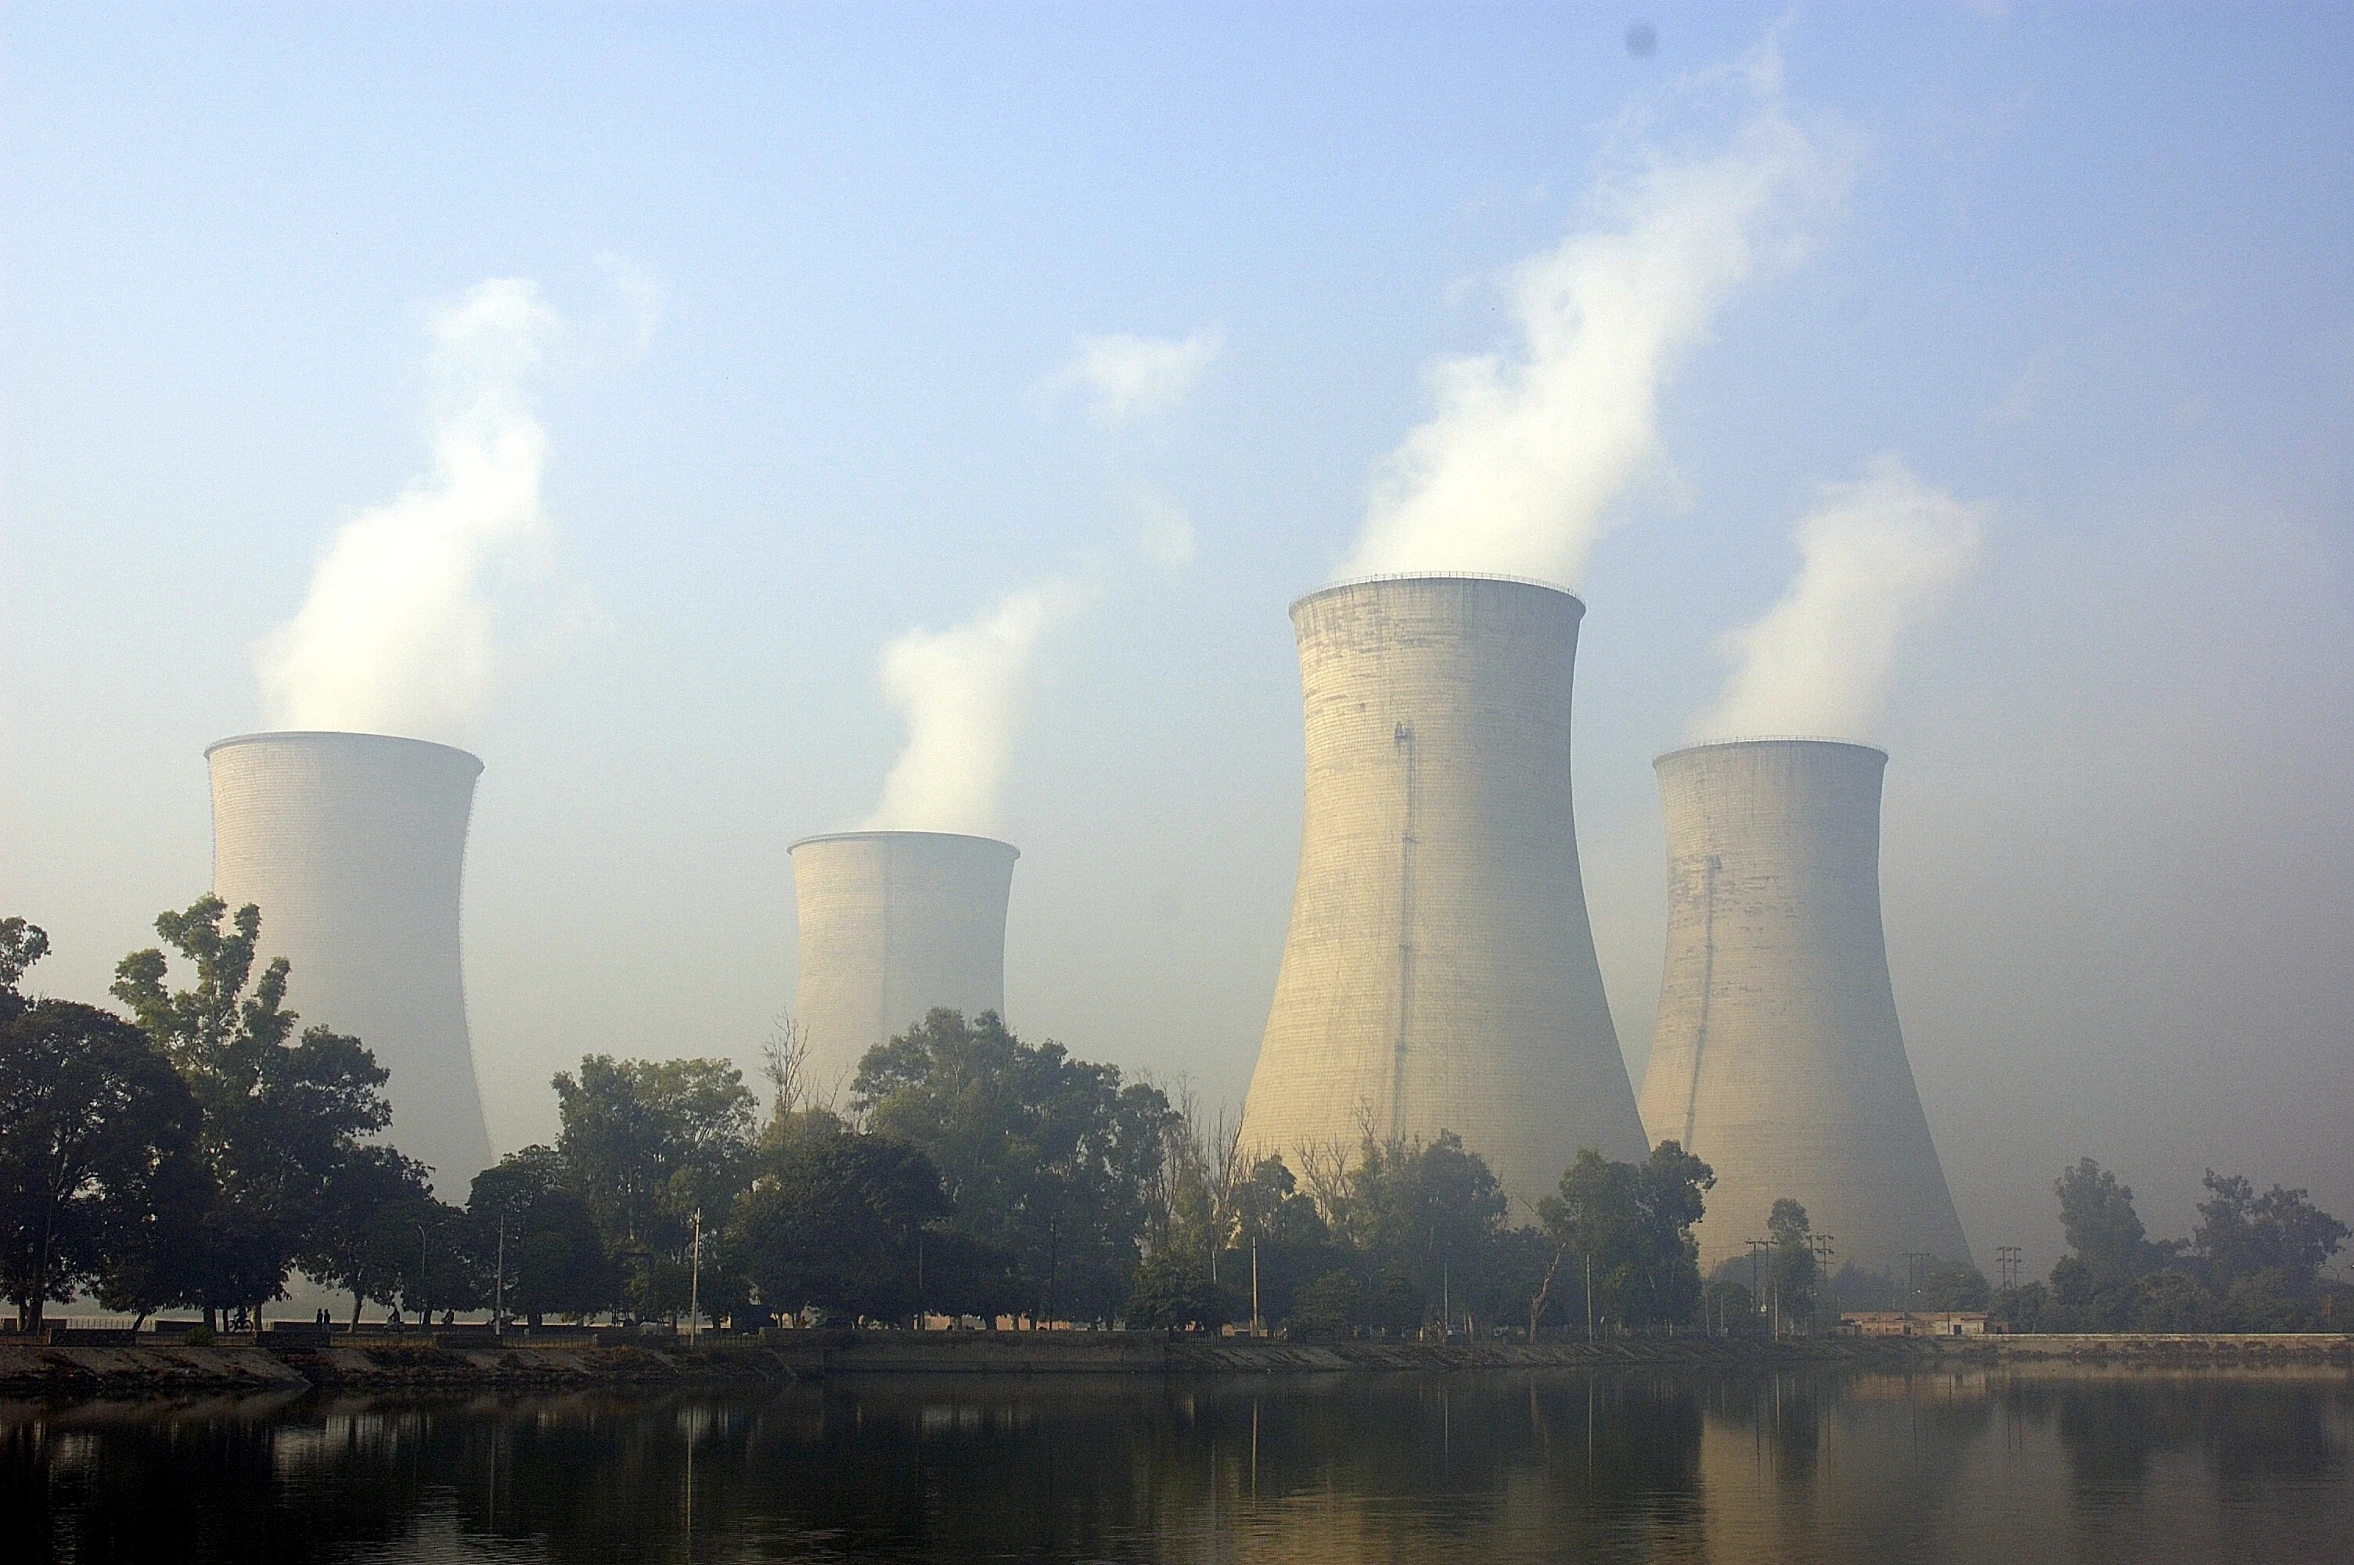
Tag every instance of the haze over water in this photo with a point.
(1496, 1467)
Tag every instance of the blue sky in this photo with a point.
(817, 272)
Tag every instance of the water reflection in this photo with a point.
(1498, 1468)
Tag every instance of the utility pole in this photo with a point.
(695, 1284)
(498, 1307)
(2009, 1262)
(424, 1299)
(1757, 1249)
(1821, 1245)
(1912, 1277)
(1257, 1330)
(1589, 1260)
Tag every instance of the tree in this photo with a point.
(1429, 1216)
(1630, 1227)
(525, 1209)
(1278, 1224)
(1329, 1307)
(279, 1117)
(1171, 1292)
(2101, 1226)
(1047, 1158)
(97, 1144)
(649, 1143)
(21, 945)
(2242, 1234)
(361, 1238)
(1949, 1285)
(1791, 1270)
(841, 1220)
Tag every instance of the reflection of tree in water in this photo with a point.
(1836, 1466)
(1489, 1467)
(2246, 1428)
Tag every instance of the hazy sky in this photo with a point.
(759, 387)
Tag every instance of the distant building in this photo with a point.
(1913, 1323)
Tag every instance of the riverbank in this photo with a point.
(787, 1356)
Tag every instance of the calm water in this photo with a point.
(1489, 1467)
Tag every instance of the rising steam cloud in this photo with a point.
(962, 692)
(1877, 557)
(1518, 469)
(403, 631)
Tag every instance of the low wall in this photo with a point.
(2158, 1349)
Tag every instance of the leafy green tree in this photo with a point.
(1728, 1308)
(1949, 1285)
(1791, 1269)
(279, 1117)
(2095, 1288)
(97, 1136)
(526, 1215)
(1429, 1214)
(1292, 1242)
(362, 1235)
(1629, 1226)
(2172, 1300)
(2280, 1235)
(21, 945)
(650, 1143)
(2023, 1309)
(845, 1222)
(1328, 1308)
(1048, 1158)
(1171, 1292)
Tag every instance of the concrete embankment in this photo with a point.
(779, 1357)
(2156, 1350)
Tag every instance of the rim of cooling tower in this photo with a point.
(867, 836)
(273, 735)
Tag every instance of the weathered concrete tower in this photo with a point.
(353, 847)
(894, 923)
(1440, 972)
(1777, 1057)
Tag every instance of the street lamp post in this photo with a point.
(695, 1284)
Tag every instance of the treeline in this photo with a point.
(200, 1151)
(2255, 1262)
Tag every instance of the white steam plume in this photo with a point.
(1877, 557)
(1127, 377)
(1517, 471)
(401, 633)
(961, 691)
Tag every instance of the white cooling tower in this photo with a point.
(1777, 1057)
(1439, 973)
(893, 924)
(353, 847)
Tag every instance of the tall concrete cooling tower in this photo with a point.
(1777, 1057)
(1440, 973)
(353, 846)
(894, 923)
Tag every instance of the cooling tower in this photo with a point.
(1439, 973)
(1777, 1057)
(894, 923)
(353, 846)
